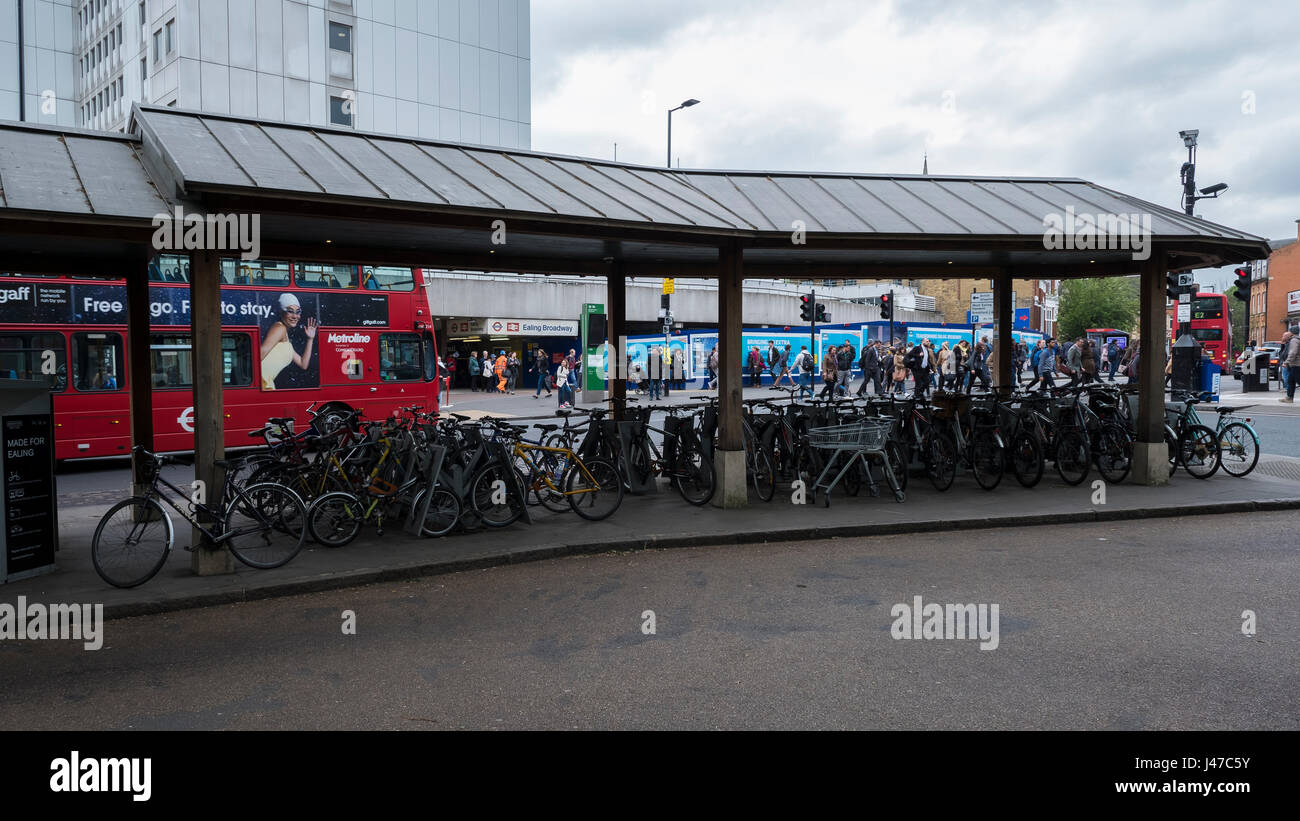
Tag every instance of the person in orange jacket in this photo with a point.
(500, 369)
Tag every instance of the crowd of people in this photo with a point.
(504, 372)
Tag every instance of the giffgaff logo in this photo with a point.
(75, 774)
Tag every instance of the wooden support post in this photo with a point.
(209, 413)
(139, 376)
(729, 457)
(1004, 344)
(1150, 455)
(616, 322)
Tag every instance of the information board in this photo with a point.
(30, 533)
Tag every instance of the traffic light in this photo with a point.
(886, 307)
(821, 314)
(1171, 286)
(1243, 284)
(806, 308)
(664, 301)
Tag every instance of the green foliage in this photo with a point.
(1097, 303)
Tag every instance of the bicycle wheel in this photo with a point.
(940, 456)
(551, 466)
(694, 476)
(1171, 446)
(334, 519)
(594, 493)
(762, 475)
(265, 526)
(1073, 457)
(131, 542)
(1238, 449)
(896, 453)
(1198, 451)
(987, 459)
(490, 495)
(444, 512)
(1026, 459)
(1113, 454)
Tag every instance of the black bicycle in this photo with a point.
(262, 525)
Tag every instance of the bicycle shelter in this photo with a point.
(79, 201)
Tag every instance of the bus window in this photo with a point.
(382, 278)
(97, 361)
(399, 357)
(326, 276)
(172, 359)
(169, 268)
(1207, 334)
(34, 356)
(254, 272)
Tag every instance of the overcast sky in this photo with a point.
(1095, 90)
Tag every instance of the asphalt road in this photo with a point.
(1135, 625)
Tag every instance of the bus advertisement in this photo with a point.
(339, 336)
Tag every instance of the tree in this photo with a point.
(1097, 303)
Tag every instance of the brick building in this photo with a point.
(1275, 291)
(1041, 296)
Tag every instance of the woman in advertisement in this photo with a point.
(277, 350)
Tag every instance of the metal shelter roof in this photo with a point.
(432, 203)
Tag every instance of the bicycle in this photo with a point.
(262, 525)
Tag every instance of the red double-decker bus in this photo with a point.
(341, 336)
(1211, 325)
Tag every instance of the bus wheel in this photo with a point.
(333, 416)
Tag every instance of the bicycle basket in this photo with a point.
(866, 434)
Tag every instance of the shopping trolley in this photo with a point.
(857, 440)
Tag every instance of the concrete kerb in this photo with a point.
(413, 570)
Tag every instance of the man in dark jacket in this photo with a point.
(979, 368)
(920, 362)
(870, 364)
(844, 368)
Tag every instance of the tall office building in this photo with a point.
(441, 69)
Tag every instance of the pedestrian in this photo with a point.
(712, 368)
(804, 364)
(829, 374)
(920, 361)
(499, 369)
(1033, 361)
(773, 361)
(542, 367)
(475, 364)
(784, 364)
(444, 380)
(1288, 359)
(1113, 355)
(679, 369)
(655, 361)
(844, 368)
(575, 374)
(1047, 366)
(512, 372)
(562, 384)
(755, 367)
(947, 366)
(961, 355)
(900, 369)
(1087, 363)
(1073, 363)
(487, 372)
(870, 364)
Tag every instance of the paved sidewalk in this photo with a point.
(655, 521)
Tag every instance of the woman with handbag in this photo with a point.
(830, 374)
(900, 370)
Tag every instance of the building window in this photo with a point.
(157, 46)
(171, 43)
(340, 111)
(144, 70)
(341, 37)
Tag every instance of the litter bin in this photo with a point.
(1211, 375)
(1254, 372)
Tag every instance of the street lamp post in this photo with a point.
(686, 104)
